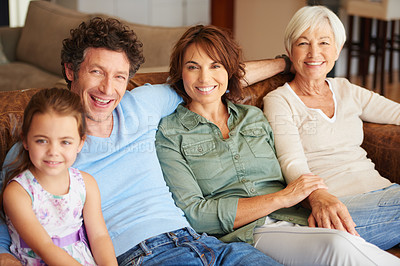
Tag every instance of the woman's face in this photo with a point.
(314, 53)
(204, 79)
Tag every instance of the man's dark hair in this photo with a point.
(101, 33)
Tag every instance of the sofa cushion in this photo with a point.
(156, 55)
(9, 39)
(46, 26)
(3, 58)
(19, 75)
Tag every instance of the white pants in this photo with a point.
(301, 245)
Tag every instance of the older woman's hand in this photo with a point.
(329, 212)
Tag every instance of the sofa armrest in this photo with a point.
(9, 39)
(382, 143)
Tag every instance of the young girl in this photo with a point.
(44, 199)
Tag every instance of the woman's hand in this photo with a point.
(250, 209)
(329, 212)
(300, 189)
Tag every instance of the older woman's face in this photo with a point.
(205, 80)
(314, 53)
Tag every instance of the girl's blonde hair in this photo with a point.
(56, 101)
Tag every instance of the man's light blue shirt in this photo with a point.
(136, 202)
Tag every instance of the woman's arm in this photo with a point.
(214, 216)
(327, 210)
(375, 107)
(213, 213)
(261, 69)
(250, 209)
(18, 207)
(100, 242)
(288, 144)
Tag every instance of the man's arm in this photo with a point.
(5, 257)
(261, 69)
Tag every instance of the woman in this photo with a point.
(318, 125)
(219, 161)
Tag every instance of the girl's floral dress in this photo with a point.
(61, 216)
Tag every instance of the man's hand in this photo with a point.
(8, 259)
(327, 211)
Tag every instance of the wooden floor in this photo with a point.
(395, 251)
(392, 91)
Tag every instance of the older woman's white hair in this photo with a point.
(312, 17)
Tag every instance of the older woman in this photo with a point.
(218, 159)
(318, 127)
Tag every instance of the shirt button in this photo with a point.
(237, 156)
(199, 149)
(252, 190)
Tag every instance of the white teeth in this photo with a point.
(314, 63)
(100, 100)
(205, 89)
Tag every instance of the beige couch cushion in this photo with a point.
(157, 43)
(19, 75)
(46, 26)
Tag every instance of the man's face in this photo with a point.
(101, 82)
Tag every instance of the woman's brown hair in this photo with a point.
(219, 46)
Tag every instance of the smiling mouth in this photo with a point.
(52, 162)
(314, 63)
(100, 101)
(206, 89)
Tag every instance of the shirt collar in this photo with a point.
(190, 119)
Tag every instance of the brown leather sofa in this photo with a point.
(382, 142)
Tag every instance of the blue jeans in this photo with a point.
(186, 247)
(377, 215)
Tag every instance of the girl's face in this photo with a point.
(53, 143)
(205, 80)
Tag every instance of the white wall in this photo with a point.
(260, 25)
(169, 13)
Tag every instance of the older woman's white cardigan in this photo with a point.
(307, 141)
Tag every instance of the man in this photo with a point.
(144, 224)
